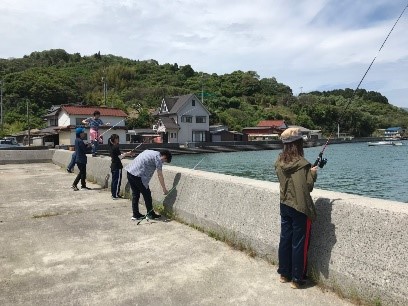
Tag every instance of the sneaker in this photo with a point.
(85, 188)
(138, 217)
(284, 279)
(69, 170)
(153, 215)
(75, 188)
(115, 198)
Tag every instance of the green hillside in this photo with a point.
(238, 99)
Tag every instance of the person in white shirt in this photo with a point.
(139, 173)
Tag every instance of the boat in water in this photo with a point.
(385, 143)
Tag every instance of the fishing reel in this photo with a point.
(320, 161)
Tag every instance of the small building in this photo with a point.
(394, 132)
(265, 130)
(220, 133)
(142, 136)
(64, 119)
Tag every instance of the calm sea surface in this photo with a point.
(376, 171)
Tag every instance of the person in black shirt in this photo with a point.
(116, 165)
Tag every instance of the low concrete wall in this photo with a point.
(25, 156)
(358, 244)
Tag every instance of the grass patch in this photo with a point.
(377, 302)
(46, 215)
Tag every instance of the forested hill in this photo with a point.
(238, 99)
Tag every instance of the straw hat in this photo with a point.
(291, 135)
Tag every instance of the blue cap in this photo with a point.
(79, 130)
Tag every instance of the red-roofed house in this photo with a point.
(280, 124)
(265, 130)
(64, 119)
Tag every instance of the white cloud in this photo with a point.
(314, 44)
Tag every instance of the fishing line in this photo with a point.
(146, 216)
(199, 162)
(320, 161)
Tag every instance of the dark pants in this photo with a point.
(294, 243)
(138, 188)
(116, 182)
(72, 162)
(81, 175)
(95, 145)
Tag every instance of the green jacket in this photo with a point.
(296, 182)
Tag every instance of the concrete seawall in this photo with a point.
(358, 245)
(25, 156)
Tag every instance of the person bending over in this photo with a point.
(139, 173)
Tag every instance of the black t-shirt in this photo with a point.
(114, 153)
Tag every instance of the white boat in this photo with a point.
(385, 143)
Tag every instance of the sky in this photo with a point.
(306, 44)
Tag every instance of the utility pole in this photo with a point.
(105, 89)
(202, 88)
(1, 104)
(28, 122)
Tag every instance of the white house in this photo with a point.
(183, 119)
(64, 119)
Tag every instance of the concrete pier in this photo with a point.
(358, 244)
(61, 247)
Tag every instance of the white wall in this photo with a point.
(64, 119)
(186, 129)
(68, 137)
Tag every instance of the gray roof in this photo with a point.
(169, 123)
(52, 113)
(170, 101)
(174, 104)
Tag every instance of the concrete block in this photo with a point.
(25, 156)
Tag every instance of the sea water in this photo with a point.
(373, 171)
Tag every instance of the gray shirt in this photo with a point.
(144, 165)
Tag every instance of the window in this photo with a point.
(78, 121)
(193, 103)
(53, 122)
(173, 135)
(188, 119)
(198, 136)
(201, 119)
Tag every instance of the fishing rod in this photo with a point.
(113, 126)
(320, 161)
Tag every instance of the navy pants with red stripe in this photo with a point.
(294, 243)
